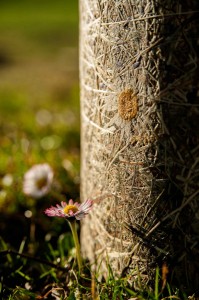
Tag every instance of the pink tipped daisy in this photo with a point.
(70, 210)
(38, 180)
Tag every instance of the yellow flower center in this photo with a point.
(41, 182)
(68, 208)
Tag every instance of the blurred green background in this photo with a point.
(39, 110)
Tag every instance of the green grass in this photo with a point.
(39, 122)
(39, 74)
(41, 27)
(39, 103)
(35, 16)
(40, 279)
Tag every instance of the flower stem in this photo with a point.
(76, 241)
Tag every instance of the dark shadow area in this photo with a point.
(175, 240)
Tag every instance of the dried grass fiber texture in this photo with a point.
(140, 137)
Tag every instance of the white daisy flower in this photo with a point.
(38, 180)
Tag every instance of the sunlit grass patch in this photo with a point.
(39, 15)
(39, 97)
